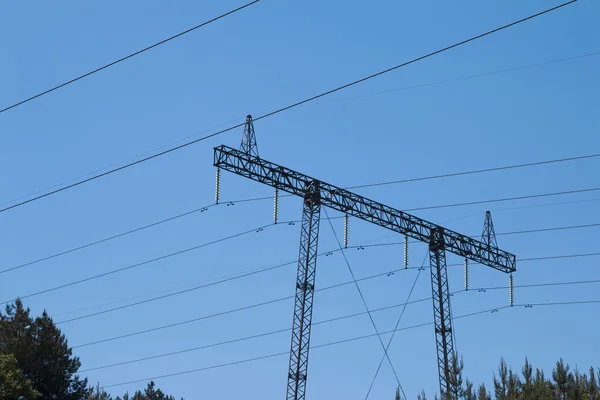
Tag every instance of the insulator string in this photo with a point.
(346, 230)
(276, 206)
(218, 186)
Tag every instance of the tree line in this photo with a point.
(563, 383)
(36, 362)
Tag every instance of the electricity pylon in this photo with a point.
(317, 193)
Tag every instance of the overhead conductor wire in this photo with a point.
(205, 208)
(269, 114)
(273, 301)
(127, 57)
(114, 271)
(386, 355)
(396, 326)
(274, 332)
(238, 362)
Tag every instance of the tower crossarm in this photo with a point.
(342, 200)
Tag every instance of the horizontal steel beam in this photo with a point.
(293, 182)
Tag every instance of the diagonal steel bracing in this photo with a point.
(305, 288)
(441, 311)
(318, 193)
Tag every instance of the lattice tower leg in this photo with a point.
(307, 263)
(441, 312)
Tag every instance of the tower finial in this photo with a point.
(489, 236)
(249, 145)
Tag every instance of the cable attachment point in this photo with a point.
(218, 186)
(276, 206)
(466, 274)
(346, 230)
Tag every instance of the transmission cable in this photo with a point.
(521, 232)
(231, 311)
(221, 240)
(386, 355)
(492, 310)
(202, 209)
(396, 327)
(62, 253)
(69, 82)
(281, 299)
(275, 332)
(142, 263)
(462, 78)
(346, 98)
(477, 171)
(463, 204)
(294, 105)
(271, 268)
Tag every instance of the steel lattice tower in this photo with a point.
(441, 310)
(246, 163)
(305, 288)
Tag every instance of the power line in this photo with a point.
(521, 232)
(346, 98)
(202, 209)
(559, 257)
(533, 196)
(270, 333)
(558, 228)
(462, 78)
(477, 171)
(229, 279)
(535, 285)
(281, 299)
(225, 280)
(271, 268)
(72, 250)
(385, 352)
(251, 337)
(491, 310)
(98, 170)
(231, 311)
(294, 105)
(140, 263)
(69, 82)
(462, 204)
(396, 327)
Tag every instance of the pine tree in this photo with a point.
(482, 393)
(501, 383)
(398, 397)
(150, 393)
(527, 386)
(13, 385)
(42, 353)
(563, 385)
(98, 394)
(560, 375)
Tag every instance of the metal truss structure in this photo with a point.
(317, 193)
(249, 145)
(305, 289)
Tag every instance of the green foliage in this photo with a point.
(150, 393)
(42, 354)
(13, 385)
(37, 363)
(564, 384)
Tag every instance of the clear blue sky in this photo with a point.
(270, 55)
